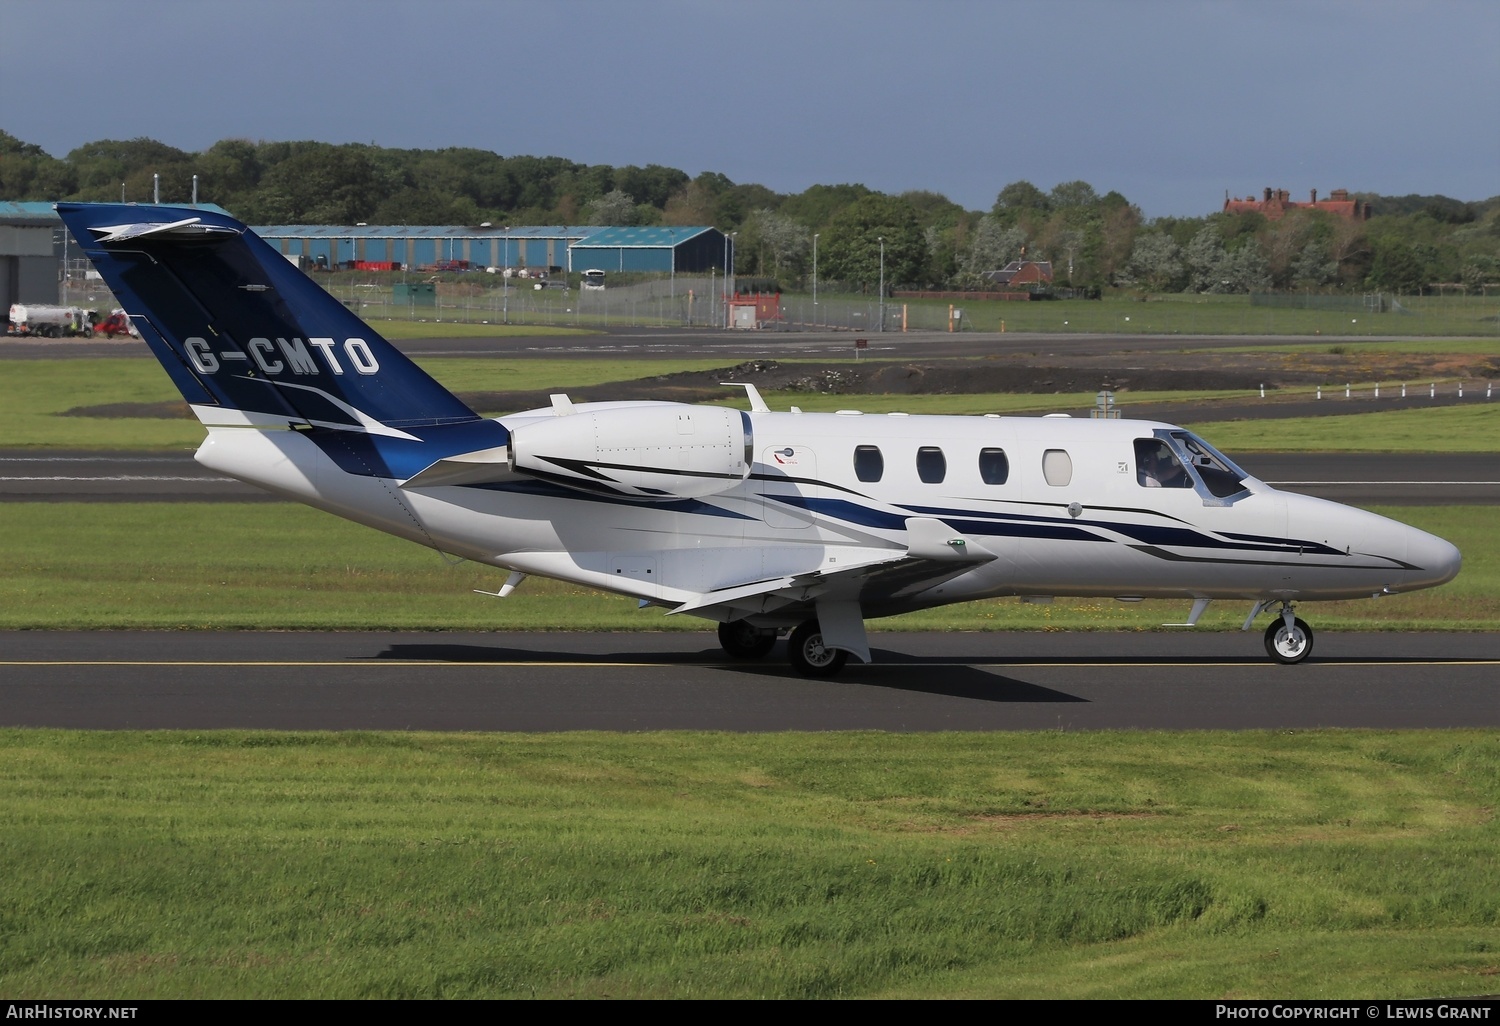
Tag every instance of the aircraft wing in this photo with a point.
(934, 553)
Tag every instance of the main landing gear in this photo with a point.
(743, 641)
(805, 649)
(1289, 639)
(809, 656)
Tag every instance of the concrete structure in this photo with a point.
(1274, 205)
(690, 249)
(29, 272)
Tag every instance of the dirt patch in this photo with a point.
(171, 410)
(1131, 372)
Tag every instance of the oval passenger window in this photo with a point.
(1057, 467)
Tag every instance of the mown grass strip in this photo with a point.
(399, 330)
(1189, 315)
(1474, 428)
(251, 864)
(35, 393)
(284, 566)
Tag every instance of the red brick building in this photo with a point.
(1275, 204)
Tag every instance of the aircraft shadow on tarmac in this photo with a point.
(892, 670)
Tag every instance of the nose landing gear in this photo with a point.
(1289, 639)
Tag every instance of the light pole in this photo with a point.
(815, 270)
(881, 239)
(725, 284)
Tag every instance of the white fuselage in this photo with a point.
(1080, 523)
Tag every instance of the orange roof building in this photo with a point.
(1275, 204)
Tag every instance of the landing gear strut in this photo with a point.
(744, 641)
(1289, 639)
(809, 656)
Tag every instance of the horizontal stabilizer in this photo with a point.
(469, 468)
(187, 228)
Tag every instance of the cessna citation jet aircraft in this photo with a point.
(761, 521)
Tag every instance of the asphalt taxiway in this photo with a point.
(539, 681)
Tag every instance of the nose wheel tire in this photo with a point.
(809, 656)
(1289, 645)
(743, 641)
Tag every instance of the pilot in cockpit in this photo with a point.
(1157, 466)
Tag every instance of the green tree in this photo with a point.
(1396, 266)
(615, 207)
(857, 236)
(1156, 262)
(1021, 196)
(817, 205)
(101, 166)
(319, 184)
(994, 245)
(1072, 194)
(1204, 260)
(29, 173)
(780, 243)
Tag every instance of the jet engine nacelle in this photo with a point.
(646, 450)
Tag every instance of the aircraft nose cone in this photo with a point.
(1435, 561)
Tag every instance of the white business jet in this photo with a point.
(764, 522)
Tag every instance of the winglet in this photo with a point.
(757, 404)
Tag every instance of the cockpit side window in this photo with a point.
(1157, 466)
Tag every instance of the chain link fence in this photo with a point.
(700, 301)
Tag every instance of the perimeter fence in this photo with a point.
(700, 301)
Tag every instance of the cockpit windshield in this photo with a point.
(1217, 472)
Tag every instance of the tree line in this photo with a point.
(919, 239)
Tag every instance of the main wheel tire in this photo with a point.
(809, 656)
(1289, 646)
(744, 641)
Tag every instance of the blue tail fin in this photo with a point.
(245, 336)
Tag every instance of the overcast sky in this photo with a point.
(1170, 102)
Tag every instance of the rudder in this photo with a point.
(246, 337)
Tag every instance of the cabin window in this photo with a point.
(1157, 466)
(1057, 467)
(994, 468)
(869, 465)
(932, 466)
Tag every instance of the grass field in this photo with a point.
(1188, 315)
(398, 330)
(288, 865)
(225, 565)
(1101, 865)
(1158, 314)
(34, 395)
(1473, 429)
